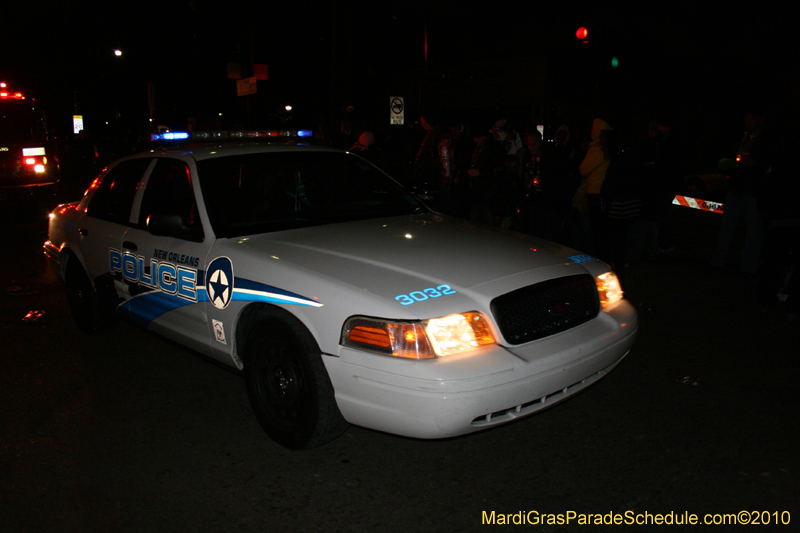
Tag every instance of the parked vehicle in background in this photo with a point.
(28, 164)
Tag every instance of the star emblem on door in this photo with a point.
(220, 282)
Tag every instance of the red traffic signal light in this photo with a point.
(582, 34)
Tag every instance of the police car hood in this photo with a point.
(399, 255)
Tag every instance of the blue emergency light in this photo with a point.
(175, 136)
(170, 136)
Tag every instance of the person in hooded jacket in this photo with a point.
(588, 199)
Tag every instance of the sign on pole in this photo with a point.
(397, 111)
(246, 86)
(77, 123)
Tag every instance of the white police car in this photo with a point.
(340, 297)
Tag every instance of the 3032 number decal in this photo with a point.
(582, 258)
(420, 296)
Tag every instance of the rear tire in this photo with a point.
(289, 388)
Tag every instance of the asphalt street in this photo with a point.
(128, 432)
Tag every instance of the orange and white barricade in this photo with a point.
(696, 203)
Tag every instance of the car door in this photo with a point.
(163, 262)
(106, 219)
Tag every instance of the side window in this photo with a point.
(169, 192)
(113, 198)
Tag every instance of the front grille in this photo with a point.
(547, 308)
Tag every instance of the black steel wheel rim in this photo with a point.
(283, 387)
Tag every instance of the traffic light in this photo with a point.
(582, 34)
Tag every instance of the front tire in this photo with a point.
(289, 388)
(84, 302)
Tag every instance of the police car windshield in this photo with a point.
(274, 191)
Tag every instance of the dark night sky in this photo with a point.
(682, 53)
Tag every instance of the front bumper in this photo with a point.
(466, 393)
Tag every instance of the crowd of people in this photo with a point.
(609, 194)
(582, 193)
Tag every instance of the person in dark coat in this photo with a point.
(758, 151)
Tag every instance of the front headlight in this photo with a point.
(437, 337)
(608, 288)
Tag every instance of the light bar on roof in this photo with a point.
(230, 135)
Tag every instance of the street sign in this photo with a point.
(397, 111)
(77, 124)
(245, 86)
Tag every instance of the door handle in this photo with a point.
(128, 245)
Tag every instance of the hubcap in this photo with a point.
(284, 385)
(281, 382)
